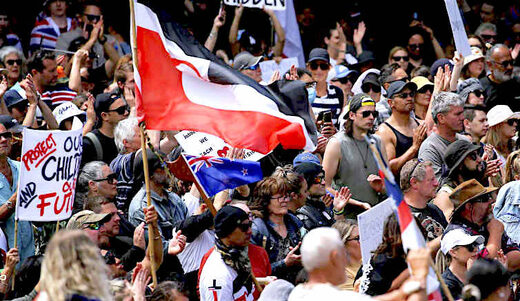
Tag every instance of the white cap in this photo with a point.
(458, 237)
(476, 54)
(500, 113)
(66, 110)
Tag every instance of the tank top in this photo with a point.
(403, 142)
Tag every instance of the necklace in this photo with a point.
(362, 157)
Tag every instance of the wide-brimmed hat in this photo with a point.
(499, 114)
(457, 152)
(476, 54)
(467, 192)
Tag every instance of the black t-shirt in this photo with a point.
(385, 270)
(89, 150)
(507, 93)
(453, 283)
(432, 220)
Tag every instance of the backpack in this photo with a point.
(97, 145)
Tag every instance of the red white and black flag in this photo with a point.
(180, 85)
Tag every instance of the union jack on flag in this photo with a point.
(215, 174)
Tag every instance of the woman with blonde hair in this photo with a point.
(512, 167)
(72, 267)
(349, 233)
(502, 128)
(400, 56)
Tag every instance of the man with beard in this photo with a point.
(500, 86)
(419, 184)
(473, 213)
(464, 163)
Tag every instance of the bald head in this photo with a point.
(500, 63)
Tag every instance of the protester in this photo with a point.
(95, 179)
(476, 123)
(423, 96)
(399, 55)
(473, 64)
(505, 210)
(13, 60)
(478, 281)
(349, 233)
(502, 128)
(471, 91)
(47, 31)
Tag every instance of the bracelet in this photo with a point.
(338, 212)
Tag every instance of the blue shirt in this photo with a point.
(25, 232)
(171, 210)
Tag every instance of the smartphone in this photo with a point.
(327, 116)
(220, 11)
(417, 16)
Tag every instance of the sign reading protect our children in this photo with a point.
(49, 168)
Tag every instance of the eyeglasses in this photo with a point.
(405, 95)
(322, 66)
(415, 46)
(504, 64)
(353, 238)
(310, 85)
(282, 197)
(6, 135)
(319, 179)
(121, 110)
(110, 258)
(374, 113)
(245, 227)
(478, 93)
(12, 62)
(93, 18)
(253, 68)
(425, 89)
(488, 36)
(111, 178)
(473, 156)
(398, 58)
(367, 87)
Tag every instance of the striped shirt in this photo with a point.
(46, 33)
(57, 95)
(333, 101)
(13, 40)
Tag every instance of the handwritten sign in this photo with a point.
(48, 172)
(371, 224)
(201, 144)
(457, 28)
(269, 67)
(269, 4)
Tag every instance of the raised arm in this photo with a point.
(280, 33)
(218, 22)
(233, 31)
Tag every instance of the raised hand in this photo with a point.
(359, 33)
(291, 258)
(177, 244)
(341, 198)
(139, 240)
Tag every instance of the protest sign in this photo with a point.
(457, 28)
(371, 224)
(49, 169)
(269, 67)
(269, 4)
(202, 144)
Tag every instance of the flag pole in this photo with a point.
(203, 193)
(143, 148)
(15, 246)
(57, 225)
(380, 161)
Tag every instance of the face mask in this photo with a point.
(312, 94)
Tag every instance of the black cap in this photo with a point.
(12, 97)
(457, 152)
(365, 57)
(309, 171)
(319, 54)
(11, 124)
(153, 164)
(371, 78)
(104, 101)
(357, 101)
(398, 86)
(227, 220)
(440, 63)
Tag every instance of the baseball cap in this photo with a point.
(13, 97)
(359, 100)
(66, 110)
(306, 158)
(309, 171)
(341, 71)
(458, 237)
(227, 220)
(371, 78)
(365, 57)
(499, 114)
(398, 86)
(86, 217)
(421, 81)
(104, 101)
(476, 54)
(318, 54)
(457, 152)
(440, 63)
(244, 60)
(11, 124)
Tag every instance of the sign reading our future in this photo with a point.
(49, 169)
(269, 4)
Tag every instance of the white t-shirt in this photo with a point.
(192, 254)
(191, 202)
(324, 291)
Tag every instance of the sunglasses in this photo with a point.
(6, 135)
(488, 36)
(483, 199)
(473, 155)
(471, 247)
(254, 67)
(93, 226)
(478, 93)
(398, 58)
(319, 179)
(405, 95)
(504, 64)
(353, 238)
(12, 62)
(110, 258)
(322, 66)
(245, 227)
(111, 178)
(93, 18)
(415, 46)
(367, 87)
(346, 79)
(365, 114)
(512, 122)
(425, 89)
(121, 110)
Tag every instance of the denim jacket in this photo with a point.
(507, 209)
(266, 237)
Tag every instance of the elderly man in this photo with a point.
(500, 87)
(96, 179)
(325, 258)
(249, 65)
(447, 112)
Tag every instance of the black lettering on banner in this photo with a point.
(282, 2)
(72, 142)
(27, 194)
(255, 2)
(207, 151)
(46, 176)
(266, 3)
(203, 140)
(64, 169)
(245, 1)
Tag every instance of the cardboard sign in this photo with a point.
(269, 67)
(202, 144)
(457, 28)
(49, 169)
(268, 4)
(371, 224)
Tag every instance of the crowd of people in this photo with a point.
(446, 124)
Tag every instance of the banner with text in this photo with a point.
(269, 4)
(49, 169)
(202, 144)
